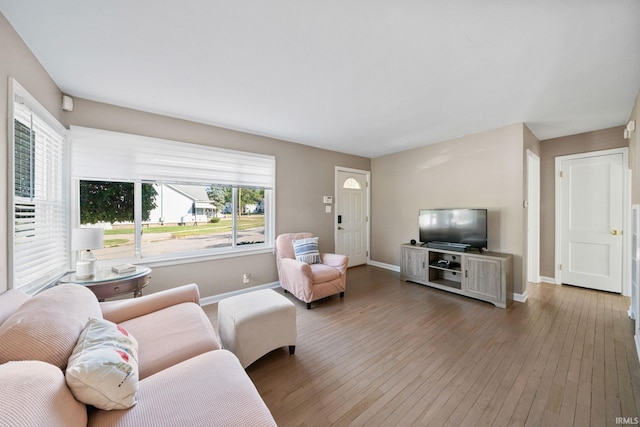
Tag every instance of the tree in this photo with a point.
(103, 201)
(249, 196)
(218, 196)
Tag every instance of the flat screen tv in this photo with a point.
(466, 226)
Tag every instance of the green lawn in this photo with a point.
(244, 222)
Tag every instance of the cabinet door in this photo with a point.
(483, 277)
(414, 264)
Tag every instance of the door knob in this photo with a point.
(340, 228)
(616, 232)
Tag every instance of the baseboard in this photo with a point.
(520, 297)
(551, 280)
(391, 267)
(216, 298)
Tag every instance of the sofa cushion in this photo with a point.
(47, 326)
(323, 273)
(211, 389)
(306, 250)
(34, 394)
(171, 335)
(103, 369)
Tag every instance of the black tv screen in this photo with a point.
(467, 226)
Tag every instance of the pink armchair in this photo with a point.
(309, 282)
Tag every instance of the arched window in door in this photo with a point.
(351, 184)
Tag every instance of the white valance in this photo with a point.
(106, 155)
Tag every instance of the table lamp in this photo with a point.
(83, 240)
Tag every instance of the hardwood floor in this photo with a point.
(394, 353)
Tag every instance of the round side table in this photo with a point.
(106, 283)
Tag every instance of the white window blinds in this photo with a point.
(38, 187)
(105, 155)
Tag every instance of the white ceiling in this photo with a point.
(366, 77)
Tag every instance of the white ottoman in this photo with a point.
(253, 324)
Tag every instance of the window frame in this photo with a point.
(181, 257)
(59, 263)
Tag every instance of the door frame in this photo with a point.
(626, 210)
(533, 219)
(367, 175)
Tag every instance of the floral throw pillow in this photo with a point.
(103, 368)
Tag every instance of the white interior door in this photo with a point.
(592, 217)
(533, 218)
(352, 206)
(634, 310)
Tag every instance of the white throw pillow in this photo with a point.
(103, 368)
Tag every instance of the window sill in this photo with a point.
(173, 259)
(33, 290)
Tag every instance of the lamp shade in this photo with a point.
(86, 239)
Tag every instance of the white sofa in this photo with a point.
(184, 377)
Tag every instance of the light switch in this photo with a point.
(327, 209)
(327, 199)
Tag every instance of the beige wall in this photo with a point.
(474, 171)
(17, 61)
(550, 149)
(478, 171)
(303, 176)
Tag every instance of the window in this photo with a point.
(351, 184)
(24, 153)
(161, 200)
(109, 205)
(38, 192)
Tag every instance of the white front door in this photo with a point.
(592, 202)
(352, 215)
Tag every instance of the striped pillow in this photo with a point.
(306, 250)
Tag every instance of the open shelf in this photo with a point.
(448, 283)
(453, 270)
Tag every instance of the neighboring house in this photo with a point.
(181, 204)
(252, 208)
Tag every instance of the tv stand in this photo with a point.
(485, 276)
